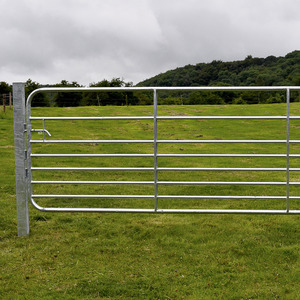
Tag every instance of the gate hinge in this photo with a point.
(25, 127)
(25, 154)
(26, 173)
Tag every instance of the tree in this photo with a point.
(5, 88)
(39, 99)
(64, 99)
(110, 98)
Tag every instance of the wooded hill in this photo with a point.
(252, 71)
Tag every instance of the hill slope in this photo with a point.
(251, 71)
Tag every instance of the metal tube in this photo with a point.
(223, 197)
(167, 118)
(171, 197)
(120, 89)
(155, 149)
(90, 169)
(159, 169)
(163, 155)
(228, 169)
(167, 182)
(108, 210)
(95, 196)
(225, 183)
(95, 155)
(89, 182)
(166, 141)
(227, 141)
(287, 149)
(41, 130)
(29, 149)
(224, 117)
(94, 118)
(92, 141)
(185, 211)
(226, 155)
(228, 211)
(44, 130)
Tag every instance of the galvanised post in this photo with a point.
(20, 158)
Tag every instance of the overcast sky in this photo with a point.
(89, 40)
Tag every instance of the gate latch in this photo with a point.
(40, 131)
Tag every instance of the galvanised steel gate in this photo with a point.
(24, 155)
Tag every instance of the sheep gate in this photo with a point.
(156, 158)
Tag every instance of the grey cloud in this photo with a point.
(90, 40)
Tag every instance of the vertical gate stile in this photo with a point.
(29, 150)
(20, 159)
(44, 130)
(287, 150)
(155, 148)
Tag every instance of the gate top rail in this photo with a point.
(184, 88)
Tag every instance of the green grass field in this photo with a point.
(146, 256)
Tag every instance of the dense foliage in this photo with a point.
(252, 71)
(63, 99)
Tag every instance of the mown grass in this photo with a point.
(123, 256)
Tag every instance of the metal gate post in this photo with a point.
(20, 158)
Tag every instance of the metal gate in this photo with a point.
(25, 170)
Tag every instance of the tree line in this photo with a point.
(252, 71)
(63, 99)
(86, 98)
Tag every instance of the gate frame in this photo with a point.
(23, 151)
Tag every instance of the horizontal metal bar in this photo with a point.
(90, 169)
(171, 197)
(89, 182)
(103, 210)
(227, 141)
(166, 118)
(162, 155)
(227, 169)
(93, 155)
(145, 210)
(158, 169)
(225, 117)
(169, 211)
(190, 88)
(224, 197)
(94, 118)
(227, 155)
(164, 141)
(225, 183)
(228, 211)
(94, 196)
(168, 182)
(91, 141)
